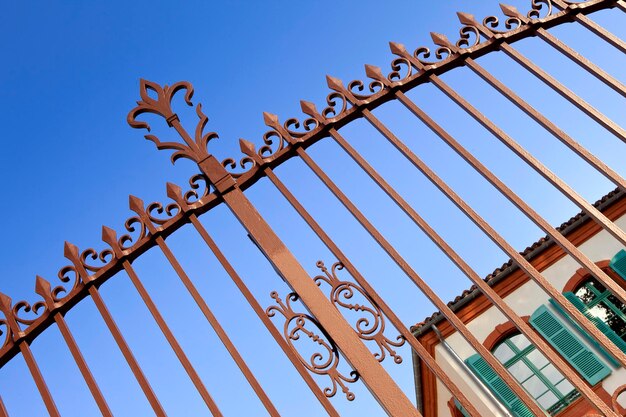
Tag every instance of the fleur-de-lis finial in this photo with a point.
(193, 148)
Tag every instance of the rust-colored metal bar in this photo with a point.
(171, 339)
(381, 385)
(595, 28)
(127, 352)
(82, 366)
(533, 162)
(260, 312)
(483, 225)
(219, 330)
(393, 318)
(344, 117)
(583, 62)
(422, 285)
(565, 244)
(547, 79)
(489, 292)
(3, 409)
(516, 200)
(576, 147)
(39, 381)
(31, 363)
(43, 288)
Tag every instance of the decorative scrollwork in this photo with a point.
(66, 274)
(170, 210)
(337, 104)
(23, 306)
(466, 34)
(199, 188)
(105, 257)
(308, 125)
(356, 87)
(5, 333)
(194, 149)
(493, 23)
(321, 363)
(136, 231)
(371, 328)
(401, 70)
(540, 9)
(423, 53)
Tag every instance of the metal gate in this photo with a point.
(315, 309)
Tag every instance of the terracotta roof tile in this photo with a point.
(506, 268)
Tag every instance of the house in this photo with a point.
(535, 372)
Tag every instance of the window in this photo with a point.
(535, 373)
(600, 303)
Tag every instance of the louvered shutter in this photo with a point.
(572, 349)
(618, 263)
(599, 323)
(481, 368)
(458, 405)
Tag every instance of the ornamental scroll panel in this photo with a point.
(219, 181)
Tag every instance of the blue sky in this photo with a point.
(69, 160)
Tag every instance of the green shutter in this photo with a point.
(461, 408)
(506, 396)
(601, 325)
(572, 349)
(618, 263)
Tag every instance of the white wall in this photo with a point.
(524, 301)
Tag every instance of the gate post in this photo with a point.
(377, 380)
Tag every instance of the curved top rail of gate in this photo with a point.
(24, 321)
(343, 104)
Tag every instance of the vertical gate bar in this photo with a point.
(33, 368)
(3, 410)
(518, 259)
(580, 150)
(381, 385)
(393, 318)
(219, 330)
(42, 287)
(533, 162)
(126, 352)
(39, 381)
(595, 28)
(547, 79)
(388, 394)
(489, 292)
(260, 312)
(171, 339)
(582, 62)
(421, 284)
(563, 242)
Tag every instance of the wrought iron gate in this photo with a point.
(323, 321)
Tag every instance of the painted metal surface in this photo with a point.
(323, 319)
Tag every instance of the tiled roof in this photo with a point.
(503, 271)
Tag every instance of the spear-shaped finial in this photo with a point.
(466, 18)
(136, 204)
(44, 289)
(398, 49)
(376, 73)
(109, 236)
(440, 39)
(334, 83)
(510, 11)
(311, 110)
